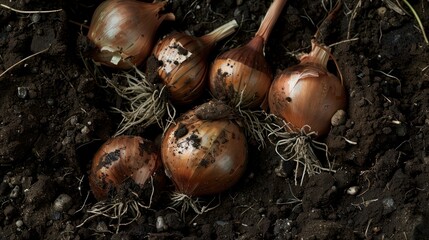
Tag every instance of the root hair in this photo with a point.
(148, 103)
(185, 202)
(119, 209)
(298, 147)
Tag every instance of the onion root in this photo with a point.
(148, 103)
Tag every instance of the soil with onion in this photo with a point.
(54, 115)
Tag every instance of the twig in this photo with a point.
(416, 16)
(22, 11)
(19, 62)
(83, 205)
(343, 41)
(367, 228)
(353, 15)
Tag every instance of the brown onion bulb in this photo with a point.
(203, 155)
(119, 159)
(184, 61)
(242, 75)
(124, 31)
(307, 94)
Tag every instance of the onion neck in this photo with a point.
(219, 33)
(319, 55)
(270, 19)
(257, 44)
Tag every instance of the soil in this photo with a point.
(54, 114)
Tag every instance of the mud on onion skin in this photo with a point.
(184, 64)
(119, 159)
(203, 154)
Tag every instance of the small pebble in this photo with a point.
(388, 203)
(62, 203)
(85, 130)
(282, 226)
(22, 92)
(353, 190)
(19, 223)
(73, 120)
(15, 192)
(160, 224)
(15, 180)
(381, 11)
(339, 118)
(35, 17)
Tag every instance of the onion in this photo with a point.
(124, 31)
(205, 152)
(242, 75)
(307, 94)
(119, 159)
(184, 61)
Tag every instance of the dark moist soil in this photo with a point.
(54, 115)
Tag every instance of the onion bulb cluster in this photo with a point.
(183, 71)
(307, 94)
(242, 75)
(119, 159)
(123, 31)
(184, 62)
(205, 152)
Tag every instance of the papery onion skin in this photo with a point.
(119, 159)
(125, 29)
(184, 84)
(307, 94)
(241, 75)
(184, 64)
(204, 157)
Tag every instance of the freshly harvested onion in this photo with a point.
(124, 31)
(204, 152)
(307, 94)
(184, 61)
(242, 75)
(119, 159)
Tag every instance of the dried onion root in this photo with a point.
(186, 202)
(148, 102)
(297, 146)
(122, 210)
